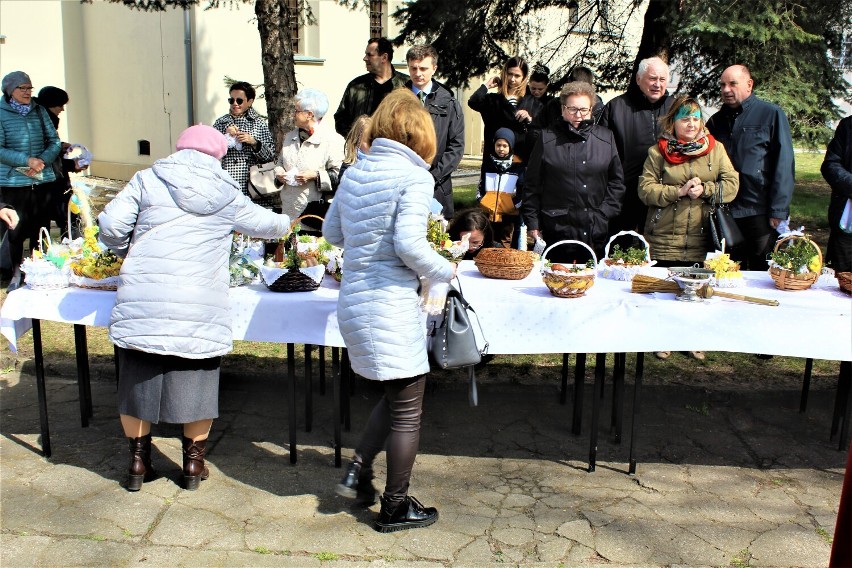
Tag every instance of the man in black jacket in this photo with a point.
(446, 115)
(364, 93)
(837, 171)
(756, 135)
(634, 118)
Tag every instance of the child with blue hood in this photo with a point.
(500, 186)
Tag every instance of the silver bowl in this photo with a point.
(691, 279)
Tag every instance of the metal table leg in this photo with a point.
(322, 369)
(806, 385)
(346, 387)
(640, 373)
(563, 392)
(335, 387)
(84, 387)
(291, 396)
(309, 379)
(596, 410)
(579, 385)
(42, 391)
(846, 377)
(617, 419)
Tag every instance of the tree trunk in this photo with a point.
(656, 39)
(279, 74)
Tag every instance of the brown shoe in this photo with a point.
(194, 470)
(697, 355)
(663, 355)
(140, 469)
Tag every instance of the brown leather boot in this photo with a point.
(140, 469)
(194, 470)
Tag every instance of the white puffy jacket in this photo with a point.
(379, 217)
(173, 224)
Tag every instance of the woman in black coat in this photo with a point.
(574, 181)
(512, 106)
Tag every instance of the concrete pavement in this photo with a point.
(726, 478)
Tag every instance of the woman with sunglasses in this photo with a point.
(28, 146)
(249, 139)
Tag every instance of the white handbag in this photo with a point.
(262, 180)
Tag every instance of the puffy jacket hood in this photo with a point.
(196, 181)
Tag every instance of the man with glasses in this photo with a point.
(634, 118)
(364, 93)
(446, 114)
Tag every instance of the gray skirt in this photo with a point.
(167, 388)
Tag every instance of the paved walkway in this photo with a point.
(726, 478)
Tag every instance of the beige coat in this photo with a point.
(322, 152)
(677, 228)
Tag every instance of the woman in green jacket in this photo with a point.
(681, 175)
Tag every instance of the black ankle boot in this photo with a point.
(407, 514)
(357, 483)
(140, 469)
(194, 470)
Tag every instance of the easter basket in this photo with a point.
(794, 278)
(619, 269)
(108, 283)
(503, 263)
(845, 281)
(42, 273)
(292, 278)
(568, 284)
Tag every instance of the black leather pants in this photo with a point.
(395, 423)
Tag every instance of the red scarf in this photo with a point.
(680, 152)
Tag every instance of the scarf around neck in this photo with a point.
(676, 152)
(21, 109)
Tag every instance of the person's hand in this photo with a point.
(65, 146)
(492, 83)
(773, 222)
(232, 130)
(523, 116)
(245, 138)
(35, 165)
(77, 167)
(534, 234)
(305, 176)
(10, 217)
(279, 177)
(684, 189)
(697, 190)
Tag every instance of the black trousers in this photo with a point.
(840, 250)
(760, 239)
(31, 203)
(395, 423)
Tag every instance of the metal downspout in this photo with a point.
(190, 92)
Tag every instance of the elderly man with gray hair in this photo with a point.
(634, 118)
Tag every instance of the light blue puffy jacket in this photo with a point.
(379, 216)
(173, 224)
(22, 138)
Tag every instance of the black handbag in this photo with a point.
(452, 341)
(722, 222)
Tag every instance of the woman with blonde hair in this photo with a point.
(379, 217)
(512, 106)
(356, 144)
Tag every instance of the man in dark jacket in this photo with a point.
(634, 118)
(756, 135)
(837, 171)
(446, 115)
(363, 94)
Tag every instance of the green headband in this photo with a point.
(684, 111)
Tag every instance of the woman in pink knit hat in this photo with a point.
(172, 223)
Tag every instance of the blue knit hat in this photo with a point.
(507, 135)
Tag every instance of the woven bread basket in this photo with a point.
(845, 281)
(790, 280)
(503, 263)
(567, 285)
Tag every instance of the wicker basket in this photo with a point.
(503, 263)
(80, 281)
(845, 281)
(294, 280)
(625, 272)
(790, 280)
(40, 273)
(568, 285)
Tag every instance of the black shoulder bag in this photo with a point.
(452, 341)
(722, 222)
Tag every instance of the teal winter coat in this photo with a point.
(22, 138)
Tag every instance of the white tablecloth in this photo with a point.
(522, 317)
